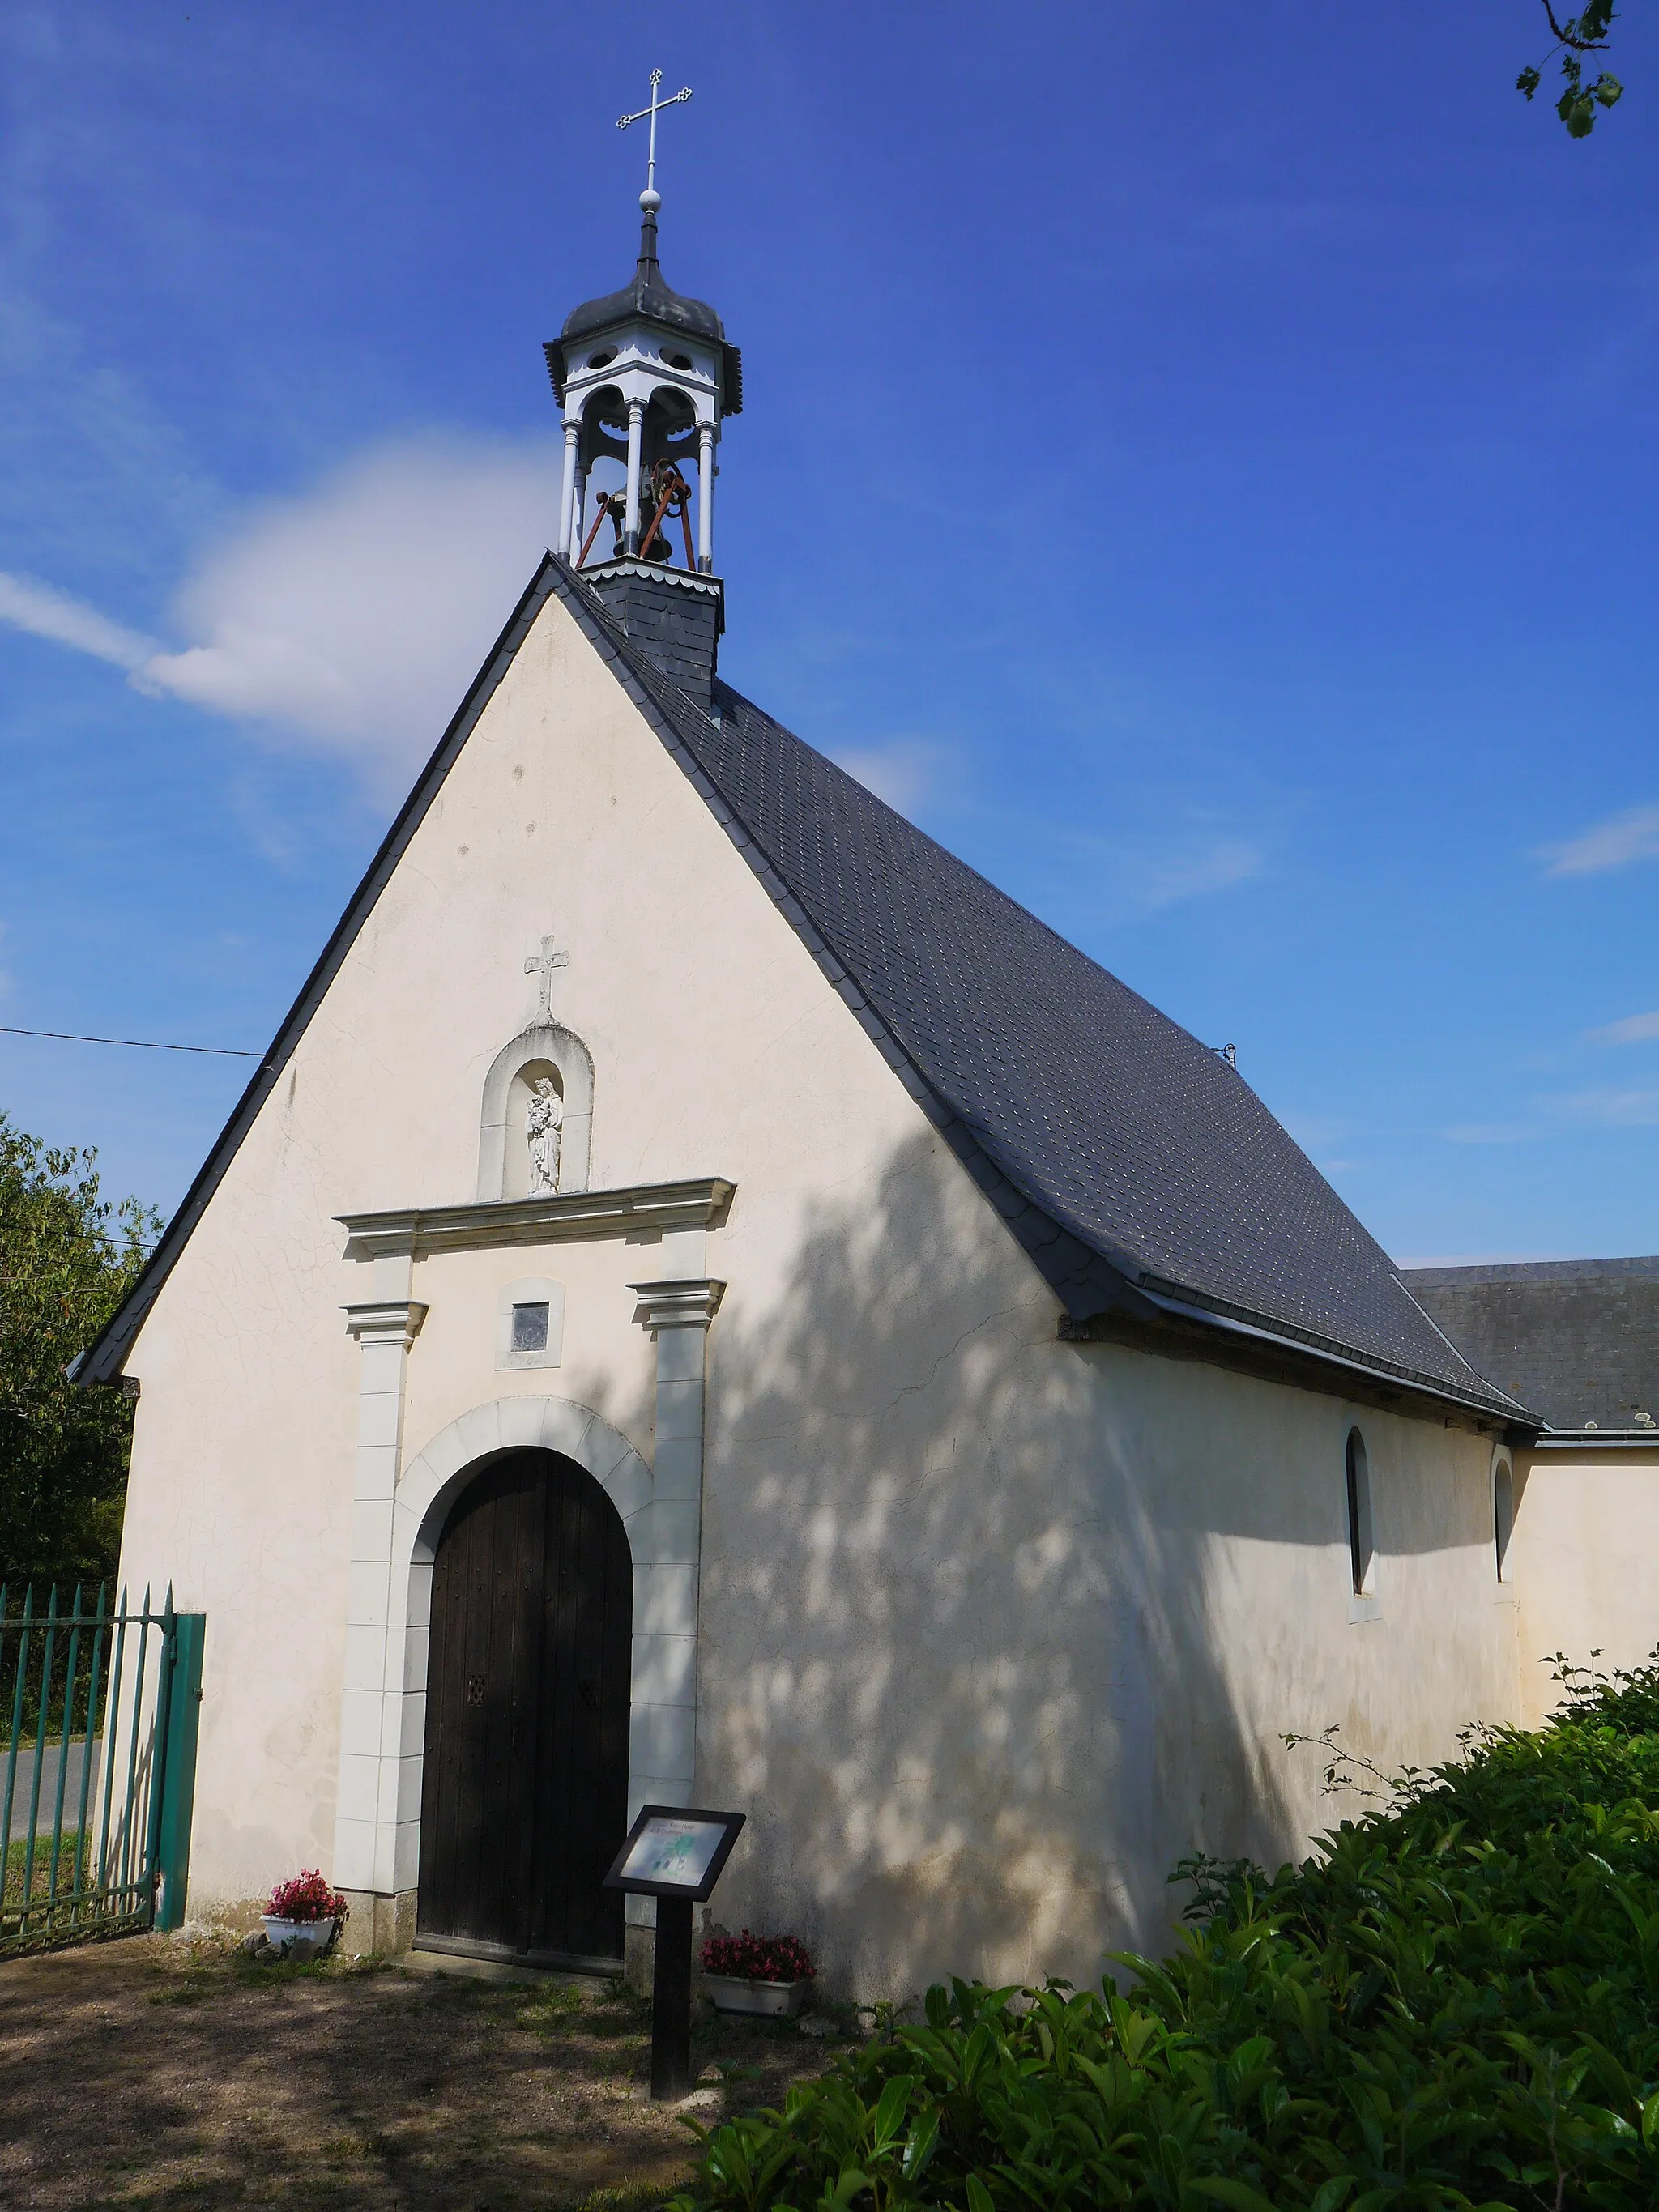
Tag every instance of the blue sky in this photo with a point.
(1199, 461)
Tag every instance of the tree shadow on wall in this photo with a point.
(956, 1658)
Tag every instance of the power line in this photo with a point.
(137, 1044)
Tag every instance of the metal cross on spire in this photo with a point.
(655, 108)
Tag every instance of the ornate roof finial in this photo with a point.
(650, 198)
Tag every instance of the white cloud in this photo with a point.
(1611, 1109)
(1190, 869)
(355, 617)
(352, 618)
(904, 773)
(48, 613)
(1633, 835)
(1634, 1029)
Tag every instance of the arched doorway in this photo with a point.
(524, 1797)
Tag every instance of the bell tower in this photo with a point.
(644, 377)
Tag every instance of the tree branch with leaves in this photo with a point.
(1577, 38)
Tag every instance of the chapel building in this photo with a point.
(706, 1301)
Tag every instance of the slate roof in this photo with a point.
(1575, 1339)
(647, 297)
(1135, 1140)
(1129, 1160)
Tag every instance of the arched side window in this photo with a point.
(1362, 1543)
(1503, 1516)
(548, 1054)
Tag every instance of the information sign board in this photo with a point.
(675, 1850)
(674, 1853)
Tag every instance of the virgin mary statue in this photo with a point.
(544, 1125)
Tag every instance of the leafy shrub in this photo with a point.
(68, 1257)
(306, 1897)
(758, 1957)
(1453, 2005)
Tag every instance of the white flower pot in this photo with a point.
(299, 1939)
(771, 2000)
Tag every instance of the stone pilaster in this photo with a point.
(367, 1807)
(677, 1311)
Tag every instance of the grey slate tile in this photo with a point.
(1114, 1121)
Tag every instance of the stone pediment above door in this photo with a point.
(637, 1211)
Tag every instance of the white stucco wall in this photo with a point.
(985, 1654)
(994, 1628)
(1586, 1528)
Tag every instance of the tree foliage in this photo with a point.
(68, 1256)
(1577, 38)
(1453, 2007)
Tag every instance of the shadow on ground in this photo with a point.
(159, 2074)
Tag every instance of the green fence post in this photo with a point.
(178, 1774)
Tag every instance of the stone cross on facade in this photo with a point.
(542, 963)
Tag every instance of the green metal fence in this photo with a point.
(99, 1708)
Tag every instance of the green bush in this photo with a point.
(1454, 2003)
(68, 1257)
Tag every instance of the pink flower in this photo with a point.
(307, 1897)
(749, 1958)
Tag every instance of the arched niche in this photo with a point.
(503, 1147)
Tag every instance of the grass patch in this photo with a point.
(72, 1866)
(192, 1991)
(552, 2010)
(626, 2197)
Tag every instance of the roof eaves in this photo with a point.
(101, 1361)
(1197, 1305)
(1597, 1440)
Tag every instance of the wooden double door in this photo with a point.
(524, 1797)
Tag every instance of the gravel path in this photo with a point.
(159, 2074)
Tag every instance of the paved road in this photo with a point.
(20, 1810)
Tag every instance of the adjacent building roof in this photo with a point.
(1575, 1339)
(1137, 1168)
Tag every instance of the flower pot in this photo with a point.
(770, 2000)
(301, 1939)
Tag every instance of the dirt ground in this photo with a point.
(158, 2073)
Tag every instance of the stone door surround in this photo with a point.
(398, 1513)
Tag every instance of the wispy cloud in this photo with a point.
(92, 478)
(1634, 1029)
(1611, 1109)
(349, 619)
(1633, 835)
(1315, 1132)
(1159, 875)
(906, 773)
(53, 614)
